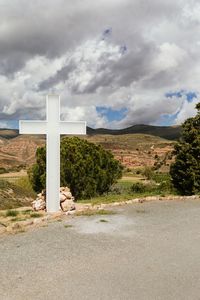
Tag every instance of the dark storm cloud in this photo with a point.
(130, 67)
(163, 31)
(46, 28)
(61, 76)
(50, 28)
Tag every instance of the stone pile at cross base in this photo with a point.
(66, 200)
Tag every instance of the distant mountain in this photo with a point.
(166, 132)
(8, 133)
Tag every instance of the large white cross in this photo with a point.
(52, 128)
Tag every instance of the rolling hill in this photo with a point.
(8, 133)
(166, 132)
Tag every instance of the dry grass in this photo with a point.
(94, 212)
(13, 195)
(68, 226)
(12, 217)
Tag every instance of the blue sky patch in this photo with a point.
(189, 95)
(166, 120)
(14, 124)
(111, 114)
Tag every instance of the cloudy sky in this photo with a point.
(115, 63)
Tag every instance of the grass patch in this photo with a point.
(127, 189)
(141, 211)
(35, 215)
(68, 226)
(108, 198)
(103, 221)
(20, 230)
(13, 196)
(11, 213)
(26, 212)
(90, 212)
(24, 183)
(103, 212)
(18, 219)
(160, 177)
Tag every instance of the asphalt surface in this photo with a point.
(145, 251)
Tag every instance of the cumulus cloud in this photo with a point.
(187, 110)
(87, 67)
(114, 54)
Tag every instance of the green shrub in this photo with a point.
(152, 188)
(185, 171)
(138, 187)
(165, 186)
(116, 189)
(148, 173)
(86, 168)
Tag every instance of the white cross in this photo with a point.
(53, 128)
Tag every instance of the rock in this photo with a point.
(62, 197)
(68, 205)
(64, 189)
(66, 200)
(141, 200)
(115, 203)
(39, 204)
(135, 200)
(70, 213)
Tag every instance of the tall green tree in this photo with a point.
(185, 171)
(87, 169)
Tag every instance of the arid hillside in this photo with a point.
(137, 150)
(133, 150)
(19, 150)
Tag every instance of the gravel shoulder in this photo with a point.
(145, 251)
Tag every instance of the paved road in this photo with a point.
(146, 251)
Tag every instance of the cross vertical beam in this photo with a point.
(53, 153)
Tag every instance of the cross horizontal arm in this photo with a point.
(74, 128)
(32, 127)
